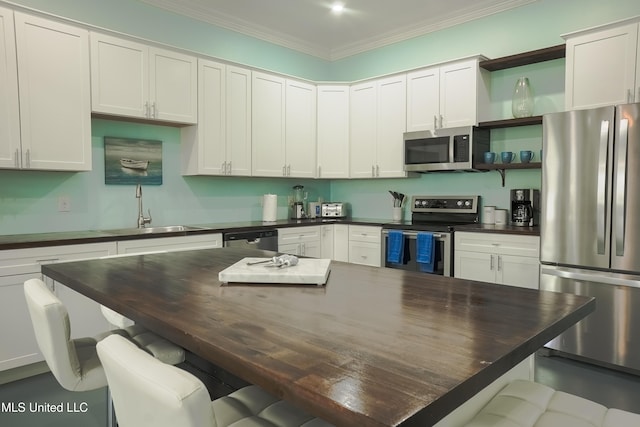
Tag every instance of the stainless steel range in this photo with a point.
(437, 215)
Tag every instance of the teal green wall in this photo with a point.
(28, 200)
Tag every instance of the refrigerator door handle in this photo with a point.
(621, 185)
(601, 277)
(602, 182)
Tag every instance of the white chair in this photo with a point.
(147, 392)
(74, 362)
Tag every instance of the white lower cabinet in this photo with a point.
(365, 245)
(170, 244)
(19, 346)
(327, 233)
(304, 241)
(506, 259)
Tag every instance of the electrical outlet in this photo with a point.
(64, 204)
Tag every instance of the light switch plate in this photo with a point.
(64, 204)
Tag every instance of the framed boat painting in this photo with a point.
(132, 161)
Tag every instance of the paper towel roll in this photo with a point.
(269, 207)
(501, 216)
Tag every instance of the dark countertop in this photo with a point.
(373, 347)
(32, 240)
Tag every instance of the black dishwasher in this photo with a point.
(255, 239)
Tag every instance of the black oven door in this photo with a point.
(443, 253)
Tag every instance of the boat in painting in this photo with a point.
(134, 164)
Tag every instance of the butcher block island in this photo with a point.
(372, 347)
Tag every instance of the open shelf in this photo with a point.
(508, 123)
(526, 58)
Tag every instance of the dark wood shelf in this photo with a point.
(496, 166)
(509, 123)
(526, 58)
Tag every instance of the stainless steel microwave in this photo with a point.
(453, 149)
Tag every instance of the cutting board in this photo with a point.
(308, 271)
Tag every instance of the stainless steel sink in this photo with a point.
(154, 230)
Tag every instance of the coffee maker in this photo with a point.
(525, 207)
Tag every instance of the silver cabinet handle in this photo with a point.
(373, 170)
(154, 110)
(441, 120)
(146, 109)
(319, 171)
(17, 158)
(284, 170)
(229, 169)
(28, 157)
(491, 264)
(602, 175)
(289, 170)
(224, 168)
(621, 185)
(435, 122)
(377, 170)
(499, 262)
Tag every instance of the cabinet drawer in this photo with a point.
(23, 261)
(365, 253)
(364, 233)
(299, 234)
(506, 244)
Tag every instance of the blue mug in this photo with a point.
(489, 157)
(507, 156)
(526, 156)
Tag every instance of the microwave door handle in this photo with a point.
(602, 176)
(621, 185)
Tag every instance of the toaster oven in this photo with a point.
(333, 210)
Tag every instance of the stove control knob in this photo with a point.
(424, 203)
(459, 203)
(467, 203)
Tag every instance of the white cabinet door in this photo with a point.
(238, 121)
(170, 244)
(333, 131)
(601, 67)
(423, 99)
(173, 86)
(268, 125)
(221, 142)
(326, 241)
(519, 271)
(459, 94)
(392, 116)
(363, 130)
(134, 80)
(53, 77)
(19, 346)
(341, 242)
(365, 245)
(475, 266)
(10, 149)
(300, 129)
(119, 76)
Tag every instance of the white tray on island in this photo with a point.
(308, 271)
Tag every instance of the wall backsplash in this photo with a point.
(29, 199)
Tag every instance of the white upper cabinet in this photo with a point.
(283, 127)
(603, 67)
(221, 143)
(333, 131)
(10, 149)
(54, 95)
(451, 95)
(135, 80)
(377, 122)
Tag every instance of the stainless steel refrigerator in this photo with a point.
(590, 228)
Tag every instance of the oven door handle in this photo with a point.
(414, 234)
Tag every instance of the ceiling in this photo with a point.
(309, 26)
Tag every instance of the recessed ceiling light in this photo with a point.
(337, 8)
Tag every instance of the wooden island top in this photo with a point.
(374, 347)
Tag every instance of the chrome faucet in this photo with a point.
(142, 220)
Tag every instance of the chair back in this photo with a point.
(53, 333)
(148, 392)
